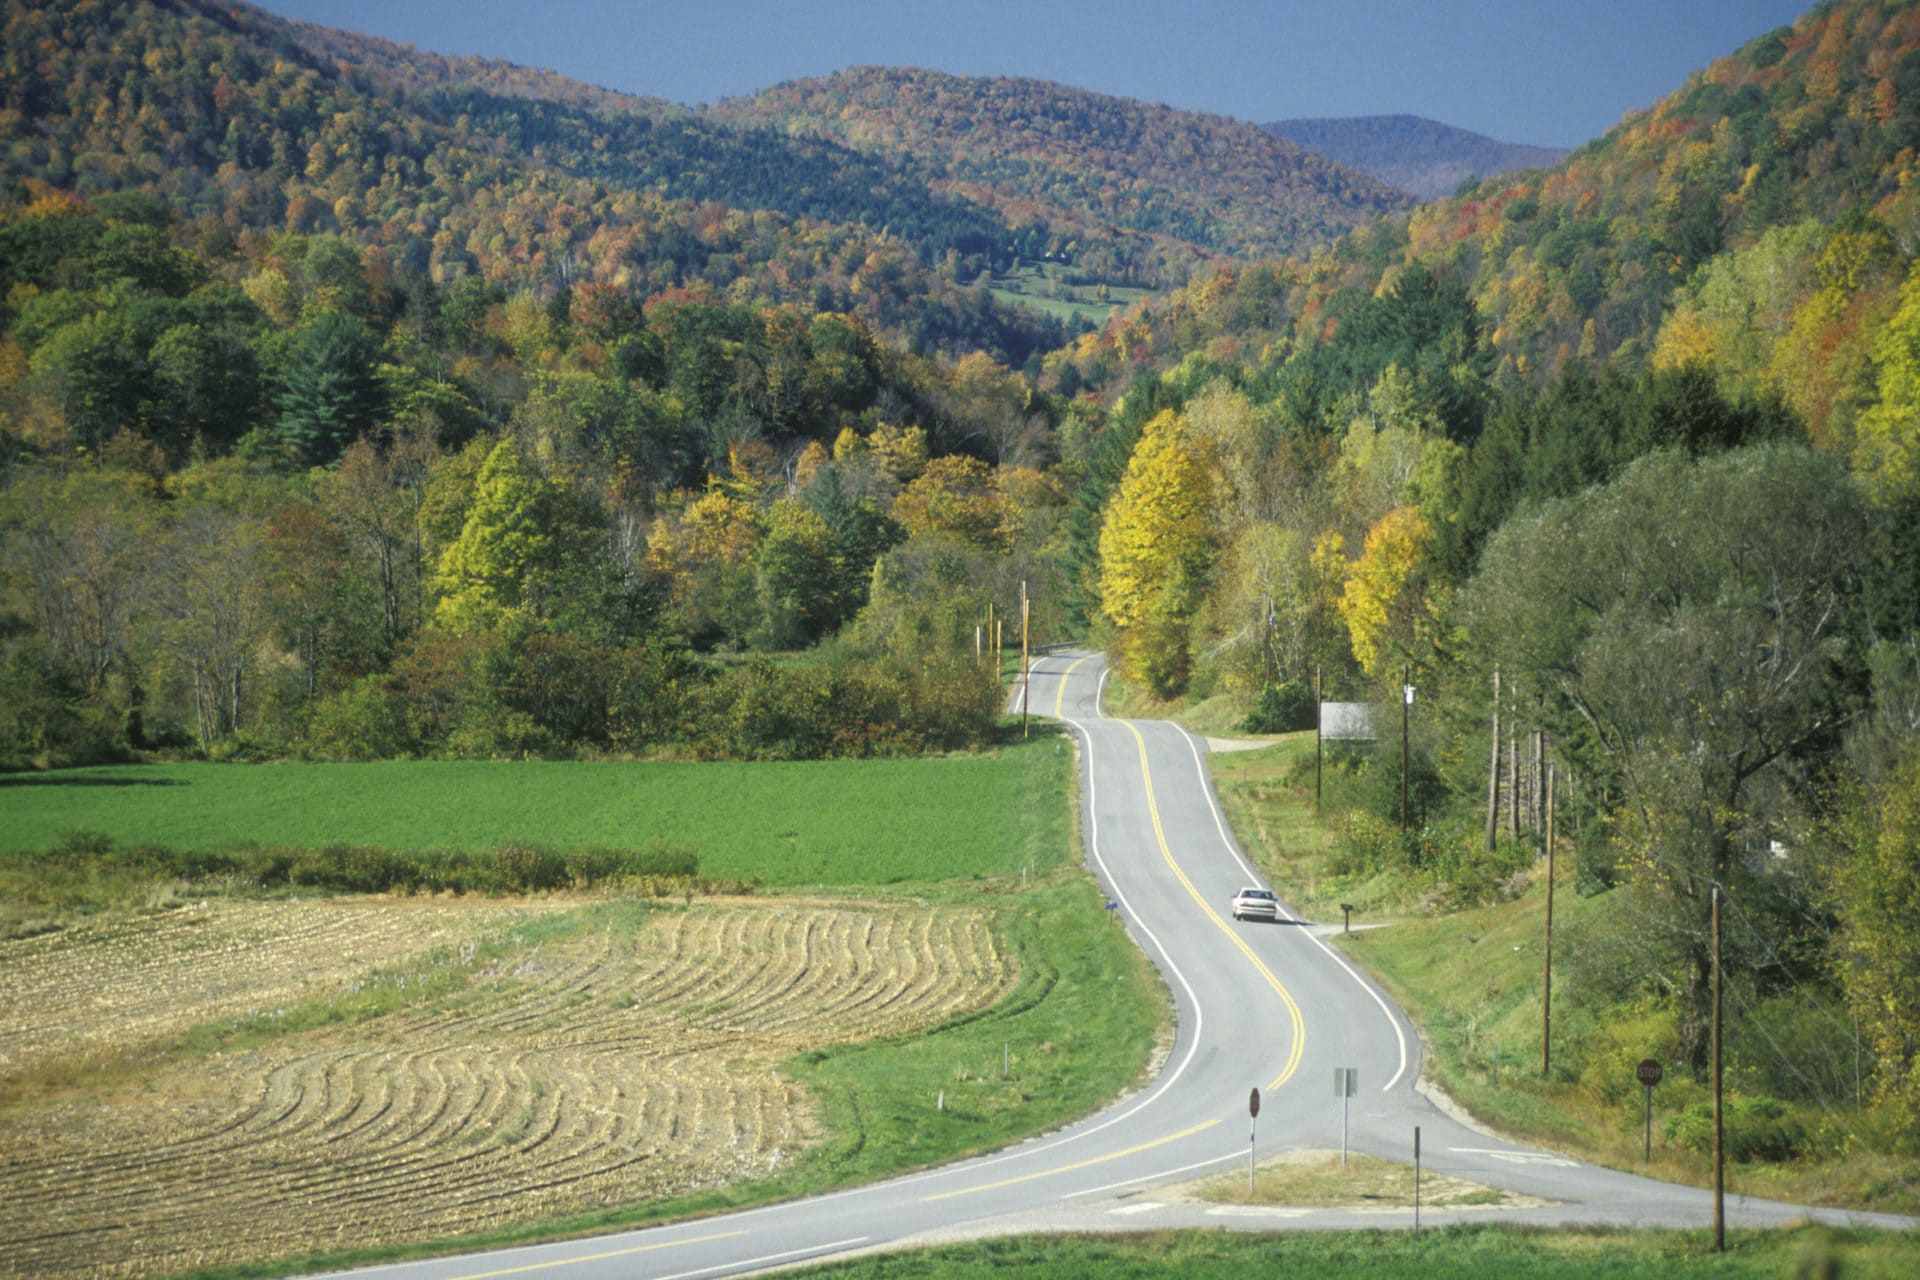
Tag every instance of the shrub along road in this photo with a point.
(1257, 1005)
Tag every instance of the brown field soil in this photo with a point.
(525, 1081)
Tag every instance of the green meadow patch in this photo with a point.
(849, 823)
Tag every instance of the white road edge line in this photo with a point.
(818, 1250)
(1220, 823)
(1234, 1156)
(1093, 847)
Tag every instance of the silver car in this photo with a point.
(1255, 904)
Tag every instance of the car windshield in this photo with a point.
(1255, 893)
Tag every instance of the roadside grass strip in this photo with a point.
(1435, 1254)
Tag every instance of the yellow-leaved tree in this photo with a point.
(1383, 604)
(1157, 551)
(1887, 441)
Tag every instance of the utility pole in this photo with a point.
(1719, 1131)
(1316, 740)
(1026, 658)
(1406, 712)
(1539, 813)
(1546, 965)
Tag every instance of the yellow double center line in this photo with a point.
(1069, 1168)
(1299, 1038)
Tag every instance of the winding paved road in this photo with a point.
(1256, 1005)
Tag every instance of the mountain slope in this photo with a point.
(232, 115)
(1762, 216)
(1423, 157)
(1033, 150)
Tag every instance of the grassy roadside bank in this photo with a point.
(1472, 980)
(1455, 1251)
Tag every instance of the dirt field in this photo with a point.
(389, 1070)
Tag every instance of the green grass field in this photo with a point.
(1475, 1252)
(853, 823)
(1040, 289)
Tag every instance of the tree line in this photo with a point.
(297, 499)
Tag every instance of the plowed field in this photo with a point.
(583, 1061)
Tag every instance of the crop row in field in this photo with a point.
(853, 822)
(575, 1063)
(106, 987)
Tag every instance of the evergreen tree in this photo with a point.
(329, 395)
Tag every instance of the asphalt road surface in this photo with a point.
(1257, 1005)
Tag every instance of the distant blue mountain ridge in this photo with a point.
(1421, 157)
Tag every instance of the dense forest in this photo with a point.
(1076, 162)
(428, 408)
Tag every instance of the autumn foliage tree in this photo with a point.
(1384, 603)
(491, 574)
(1157, 550)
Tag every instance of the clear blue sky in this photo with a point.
(1552, 72)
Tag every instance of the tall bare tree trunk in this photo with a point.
(1493, 773)
(1539, 780)
(1513, 781)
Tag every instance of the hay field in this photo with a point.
(243, 1080)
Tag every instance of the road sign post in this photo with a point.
(1649, 1073)
(1416, 1178)
(1253, 1117)
(1344, 1079)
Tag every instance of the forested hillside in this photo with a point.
(1640, 435)
(1073, 160)
(232, 121)
(278, 329)
(1422, 157)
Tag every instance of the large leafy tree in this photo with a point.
(1695, 623)
(1881, 890)
(1157, 550)
(509, 550)
(1384, 603)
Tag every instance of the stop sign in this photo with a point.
(1253, 1104)
(1649, 1072)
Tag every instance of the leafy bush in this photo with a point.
(82, 841)
(1378, 785)
(1596, 863)
(1756, 1129)
(1157, 655)
(1472, 873)
(841, 706)
(524, 868)
(1365, 845)
(1281, 708)
(361, 722)
(88, 859)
